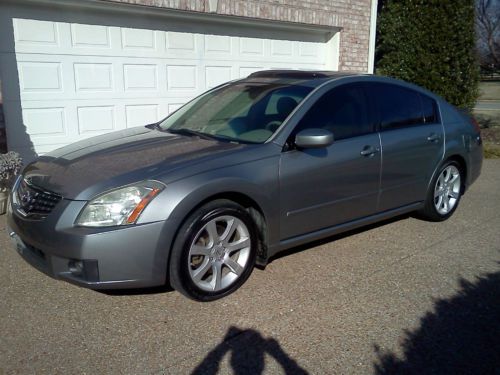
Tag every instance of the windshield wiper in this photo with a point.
(155, 126)
(190, 133)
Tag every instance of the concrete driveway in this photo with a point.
(490, 105)
(405, 296)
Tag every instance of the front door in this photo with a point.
(320, 188)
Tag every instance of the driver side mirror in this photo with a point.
(313, 138)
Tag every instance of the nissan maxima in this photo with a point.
(240, 173)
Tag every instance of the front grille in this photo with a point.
(35, 201)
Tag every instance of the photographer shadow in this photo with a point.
(460, 336)
(247, 348)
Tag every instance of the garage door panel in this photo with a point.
(33, 33)
(281, 48)
(93, 77)
(143, 77)
(80, 80)
(140, 114)
(216, 75)
(49, 121)
(89, 77)
(247, 70)
(90, 36)
(40, 76)
(138, 40)
(218, 45)
(96, 119)
(183, 44)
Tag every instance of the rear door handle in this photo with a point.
(369, 151)
(433, 137)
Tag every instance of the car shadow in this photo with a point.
(137, 291)
(336, 237)
(461, 335)
(247, 348)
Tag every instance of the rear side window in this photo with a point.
(398, 107)
(343, 111)
(429, 110)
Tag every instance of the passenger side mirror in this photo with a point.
(313, 138)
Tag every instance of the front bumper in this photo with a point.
(134, 256)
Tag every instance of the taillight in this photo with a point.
(475, 124)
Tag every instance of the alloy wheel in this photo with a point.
(219, 253)
(447, 190)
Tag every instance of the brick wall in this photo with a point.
(352, 15)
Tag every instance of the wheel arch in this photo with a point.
(460, 160)
(203, 196)
(253, 208)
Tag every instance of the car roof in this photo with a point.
(315, 78)
(311, 78)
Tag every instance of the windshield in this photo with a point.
(242, 112)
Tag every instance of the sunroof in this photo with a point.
(289, 74)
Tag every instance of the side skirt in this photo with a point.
(330, 231)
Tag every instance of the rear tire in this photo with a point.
(445, 191)
(214, 252)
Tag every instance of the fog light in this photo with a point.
(76, 267)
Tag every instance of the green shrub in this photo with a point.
(430, 43)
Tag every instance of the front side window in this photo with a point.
(342, 111)
(242, 112)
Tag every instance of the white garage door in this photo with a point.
(79, 80)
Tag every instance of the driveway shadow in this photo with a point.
(461, 336)
(247, 348)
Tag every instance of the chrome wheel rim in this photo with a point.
(219, 253)
(447, 190)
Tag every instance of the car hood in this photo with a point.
(83, 169)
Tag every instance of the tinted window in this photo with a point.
(398, 106)
(343, 111)
(429, 109)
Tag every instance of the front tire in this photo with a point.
(444, 193)
(214, 252)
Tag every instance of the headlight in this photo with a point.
(119, 207)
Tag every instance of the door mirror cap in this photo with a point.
(313, 138)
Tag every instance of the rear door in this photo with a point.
(412, 143)
(320, 188)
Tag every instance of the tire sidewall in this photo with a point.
(179, 264)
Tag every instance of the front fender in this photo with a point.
(257, 180)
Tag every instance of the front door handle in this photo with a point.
(433, 137)
(368, 151)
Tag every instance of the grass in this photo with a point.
(491, 151)
(491, 139)
(489, 120)
(489, 90)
